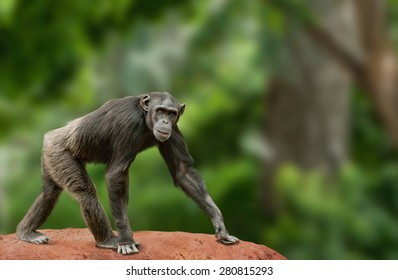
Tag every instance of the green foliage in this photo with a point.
(295, 10)
(349, 218)
(44, 45)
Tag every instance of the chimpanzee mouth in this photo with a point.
(164, 133)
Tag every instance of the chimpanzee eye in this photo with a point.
(159, 112)
(173, 114)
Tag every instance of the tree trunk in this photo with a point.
(379, 72)
(373, 63)
(307, 120)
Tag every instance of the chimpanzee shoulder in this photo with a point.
(113, 128)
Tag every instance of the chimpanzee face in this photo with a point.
(162, 113)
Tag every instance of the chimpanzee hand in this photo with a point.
(127, 249)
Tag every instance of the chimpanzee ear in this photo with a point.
(145, 102)
(182, 109)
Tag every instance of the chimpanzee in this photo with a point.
(114, 134)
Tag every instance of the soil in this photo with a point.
(79, 244)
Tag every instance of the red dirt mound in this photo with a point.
(78, 244)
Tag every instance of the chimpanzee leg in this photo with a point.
(70, 173)
(39, 211)
(192, 184)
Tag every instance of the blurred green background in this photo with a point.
(292, 113)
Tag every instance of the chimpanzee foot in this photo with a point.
(228, 239)
(33, 237)
(108, 244)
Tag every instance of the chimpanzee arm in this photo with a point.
(180, 164)
(117, 181)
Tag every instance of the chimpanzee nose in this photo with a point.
(166, 121)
